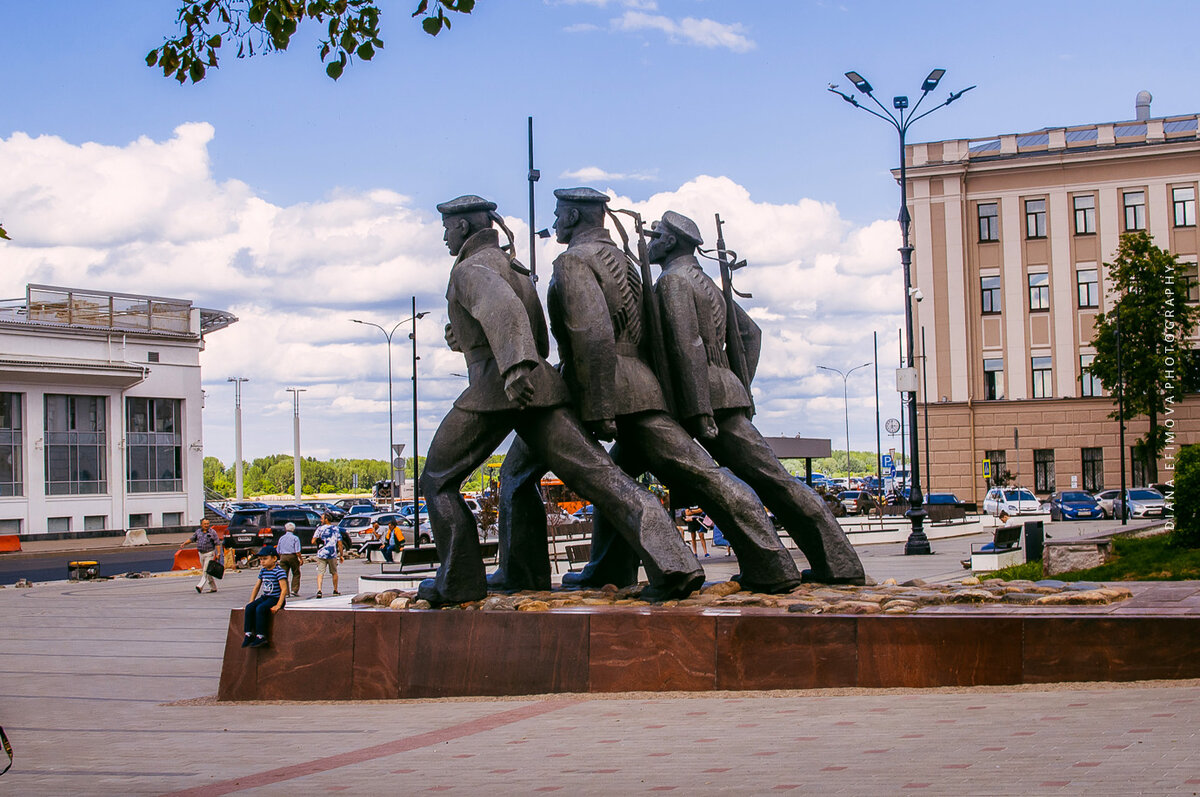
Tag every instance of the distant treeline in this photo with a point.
(275, 474)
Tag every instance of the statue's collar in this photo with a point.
(479, 240)
(591, 235)
(682, 262)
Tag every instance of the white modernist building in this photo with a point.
(100, 406)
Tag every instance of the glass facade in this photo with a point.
(154, 445)
(11, 445)
(76, 445)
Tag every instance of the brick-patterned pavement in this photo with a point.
(107, 691)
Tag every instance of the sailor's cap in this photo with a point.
(681, 226)
(586, 195)
(465, 204)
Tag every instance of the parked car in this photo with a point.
(250, 529)
(1142, 502)
(1105, 499)
(942, 498)
(1074, 505)
(407, 509)
(856, 502)
(1010, 501)
(585, 512)
(362, 509)
(345, 503)
(326, 508)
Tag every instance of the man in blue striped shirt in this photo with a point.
(270, 592)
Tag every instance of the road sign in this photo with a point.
(886, 462)
(398, 449)
(398, 462)
(987, 469)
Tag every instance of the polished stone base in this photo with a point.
(368, 654)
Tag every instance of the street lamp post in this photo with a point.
(846, 401)
(298, 484)
(416, 456)
(917, 542)
(237, 431)
(391, 426)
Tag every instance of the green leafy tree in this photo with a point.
(351, 30)
(1155, 324)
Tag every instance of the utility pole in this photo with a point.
(296, 391)
(237, 432)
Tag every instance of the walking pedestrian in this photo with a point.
(331, 552)
(209, 545)
(267, 598)
(289, 556)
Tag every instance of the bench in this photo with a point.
(425, 559)
(1003, 551)
(579, 554)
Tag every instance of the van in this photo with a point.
(250, 529)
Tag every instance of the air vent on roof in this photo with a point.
(152, 356)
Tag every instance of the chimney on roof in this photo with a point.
(1142, 106)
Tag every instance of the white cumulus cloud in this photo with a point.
(594, 174)
(149, 217)
(689, 30)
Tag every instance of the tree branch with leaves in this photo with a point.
(1155, 322)
(207, 27)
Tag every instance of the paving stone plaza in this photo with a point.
(110, 690)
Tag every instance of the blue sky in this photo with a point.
(298, 203)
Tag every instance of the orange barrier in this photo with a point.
(10, 542)
(187, 559)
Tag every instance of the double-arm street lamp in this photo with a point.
(391, 426)
(846, 401)
(906, 379)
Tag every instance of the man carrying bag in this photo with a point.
(210, 547)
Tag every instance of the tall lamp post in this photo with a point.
(296, 391)
(416, 456)
(906, 381)
(391, 426)
(237, 431)
(846, 401)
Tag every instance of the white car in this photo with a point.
(1010, 501)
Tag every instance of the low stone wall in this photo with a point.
(1083, 553)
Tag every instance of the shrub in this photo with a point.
(1187, 498)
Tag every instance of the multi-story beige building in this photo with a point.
(1011, 235)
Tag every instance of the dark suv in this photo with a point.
(249, 529)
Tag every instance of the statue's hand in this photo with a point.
(603, 430)
(451, 340)
(703, 427)
(518, 386)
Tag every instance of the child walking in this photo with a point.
(268, 597)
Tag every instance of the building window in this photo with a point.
(1042, 383)
(1035, 218)
(172, 518)
(993, 379)
(1137, 468)
(1085, 214)
(1088, 287)
(1190, 284)
(989, 288)
(139, 520)
(154, 445)
(10, 526)
(1043, 470)
(1184, 202)
(1089, 383)
(1135, 210)
(76, 445)
(95, 522)
(989, 222)
(58, 525)
(11, 436)
(999, 467)
(1039, 291)
(1093, 469)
